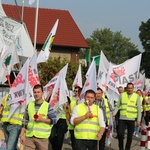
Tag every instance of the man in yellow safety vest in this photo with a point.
(39, 117)
(89, 123)
(130, 111)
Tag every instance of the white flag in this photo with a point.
(78, 78)
(52, 82)
(8, 59)
(22, 88)
(45, 52)
(33, 77)
(59, 95)
(18, 90)
(127, 71)
(31, 2)
(102, 72)
(139, 84)
(111, 80)
(90, 82)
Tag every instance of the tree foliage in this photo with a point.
(144, 36)
(48, 70)
(116, 47)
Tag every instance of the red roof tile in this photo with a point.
(68, 33)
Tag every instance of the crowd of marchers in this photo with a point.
(87, 120)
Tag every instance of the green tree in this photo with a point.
(48, 69)
(116, 47)
(144, 36)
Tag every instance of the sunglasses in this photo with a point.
(75, 91)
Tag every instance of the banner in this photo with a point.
(7, 60)
(13, 31)
(127, 71)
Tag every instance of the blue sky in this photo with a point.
(118, 15)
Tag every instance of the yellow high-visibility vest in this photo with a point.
(147, 106)
(72, 105)
(128, 107)
(38, 129)
(88, 128)
(15, 118)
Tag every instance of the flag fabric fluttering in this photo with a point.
(33, 77)
(50, 85)
(139, 84)
(59, 95)
(31, 2)
(90, 82)
(21, 92)
(88, 57)
(97, 60)
(102, 71)
(124, 74)
(18, 90)
(78, 78)
(45, 52)
(7, 60)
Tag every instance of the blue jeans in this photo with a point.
(11, 132)
(86, 145)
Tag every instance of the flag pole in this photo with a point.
(22, 11)
(36, 23)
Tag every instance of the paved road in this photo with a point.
(114, 145)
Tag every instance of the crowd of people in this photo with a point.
(38, 128)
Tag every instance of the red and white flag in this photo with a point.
(33, 77)
(78, 78)
(139, 84)
(21, 92)
(102, 71)
(52, 82)
(59, 95)
(18, 89)
(127, 71)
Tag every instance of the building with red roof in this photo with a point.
(68, 39)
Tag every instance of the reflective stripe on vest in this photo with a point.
(38, 129)
(89, 128)
(15, 118)
(128, 107)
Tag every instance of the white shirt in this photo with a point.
(100, 119)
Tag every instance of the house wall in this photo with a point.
(69, 53)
